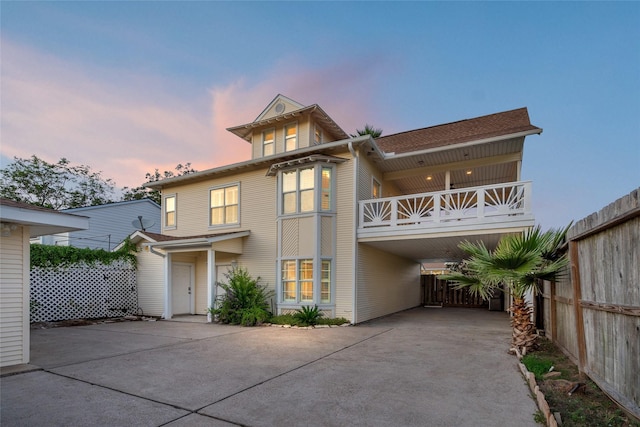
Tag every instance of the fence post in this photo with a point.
(552, 310)
(577, 297)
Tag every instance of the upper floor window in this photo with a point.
(290, 137)
(224, 205)
(299, 192)
(376, 189)
(170, 211)
(317, 135)
(268, 142)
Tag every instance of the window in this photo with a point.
(317, 136)
(170, 211)
(224, 203)
(306, 280)
(325, 282)
(290, 137)
(298, 285)
(376, 189)
(268, 139)
(289, 281)
(325, 201)
(298, 190)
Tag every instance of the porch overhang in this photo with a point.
(197, 243)
(441, 246)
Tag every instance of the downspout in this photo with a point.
(354, 308)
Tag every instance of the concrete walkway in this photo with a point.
(423, 367)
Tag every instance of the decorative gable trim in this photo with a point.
(314, 158)
(279, 99)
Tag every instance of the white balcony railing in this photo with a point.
(490, 203)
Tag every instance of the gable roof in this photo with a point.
(145, 201)
(319, 115)
(479, 128)
(167, 242)
(278, 99)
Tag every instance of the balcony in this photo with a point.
(499, 207)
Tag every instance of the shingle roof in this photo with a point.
(164, 238)
(493, 125)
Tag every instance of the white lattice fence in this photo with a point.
(83, 292)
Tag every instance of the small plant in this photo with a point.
(308, 316)
(539, 418)
(245, 301)
(536, 364)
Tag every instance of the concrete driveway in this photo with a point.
(422, 367)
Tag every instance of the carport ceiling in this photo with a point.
(441, 249)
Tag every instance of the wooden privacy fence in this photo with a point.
(593, 312)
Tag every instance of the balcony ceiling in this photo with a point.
(478, 159)
(435, 249)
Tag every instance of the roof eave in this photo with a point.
(393, 155)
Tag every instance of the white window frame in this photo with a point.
(165, 212)
(224, 206)
(288, 126)
(316, 281)
(318, 190)
(271, 142)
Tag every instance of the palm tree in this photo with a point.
(517, 264)
(368, 130)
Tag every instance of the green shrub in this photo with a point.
(539, 366)
(308, 316)
(285, 319)
(245, 301)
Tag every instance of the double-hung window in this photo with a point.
(268, 142)
(170, 211)
(298, 281)
(299, 191)
(290, 137)
(224, 205)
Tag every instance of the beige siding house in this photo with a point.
(344, 223)
(19, 223)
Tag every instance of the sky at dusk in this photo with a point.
(127, 87)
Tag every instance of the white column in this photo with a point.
(167, 287)
(211, 281)
(519, 170)
(447, 180)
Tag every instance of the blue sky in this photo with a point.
(126, 87)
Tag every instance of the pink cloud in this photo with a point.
(126, 125)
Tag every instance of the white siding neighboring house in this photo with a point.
(109, 224)
(19, 223)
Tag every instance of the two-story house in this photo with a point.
(340, 222)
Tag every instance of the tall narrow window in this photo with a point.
(376, 189)
(170, 211)
(289, 192)
(326, 189)
(224, 205)
(307, 189)
(289, 280)
(306, 280)
(268, 139)
(290, 137)
(325, 282)
(317, 135)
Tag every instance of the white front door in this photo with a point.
(181, 288)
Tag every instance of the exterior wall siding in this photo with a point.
(258, 195)
(345, 239)
(386, 283)
(150, 277)
(109, 224)
(14, 297)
